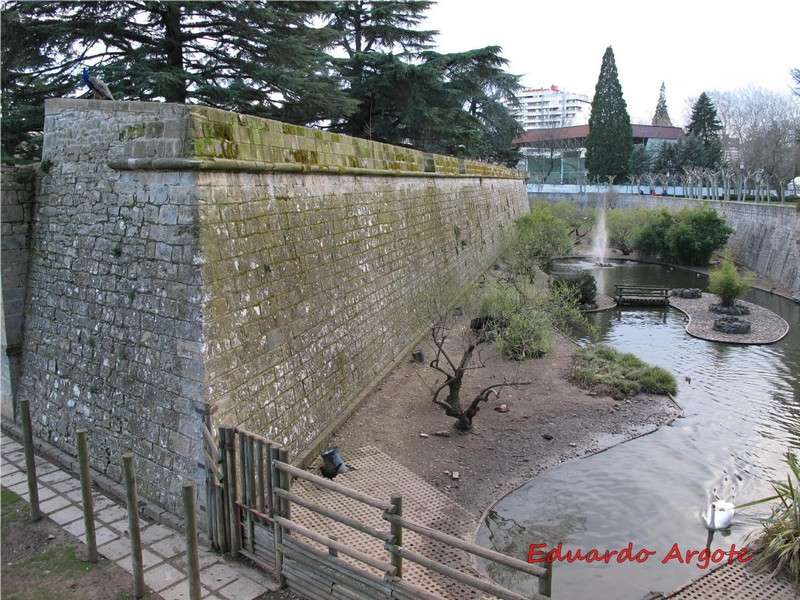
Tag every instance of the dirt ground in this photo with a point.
(547, 423)
(41, 561)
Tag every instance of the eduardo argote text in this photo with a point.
(537, 553)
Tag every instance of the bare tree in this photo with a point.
(761, 128)
(455, 371)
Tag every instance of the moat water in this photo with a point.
(741, 416)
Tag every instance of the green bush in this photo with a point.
(690, 236)
(652, 238)
(726, 282)
(528, 335)
(601, 368)
(696, 234)
(537, 238)
(778, 544)
(583, 282)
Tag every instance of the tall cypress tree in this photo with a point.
(610, 140)
(707, 128)
(661, 117)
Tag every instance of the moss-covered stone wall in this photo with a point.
(190, 266)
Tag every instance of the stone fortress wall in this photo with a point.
(766, 237)
(192, 266)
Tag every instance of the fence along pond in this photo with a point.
(311, 548)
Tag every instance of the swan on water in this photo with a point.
(719, 515)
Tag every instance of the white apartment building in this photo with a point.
(546, 108)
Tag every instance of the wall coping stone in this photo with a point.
(212, 139)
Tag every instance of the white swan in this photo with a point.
(719, 515)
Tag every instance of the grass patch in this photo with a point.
(7, 501)
(609, 372)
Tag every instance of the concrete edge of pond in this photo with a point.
(766, 326)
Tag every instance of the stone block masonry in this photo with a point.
(191, 265)
(18, 188)
(766, 237)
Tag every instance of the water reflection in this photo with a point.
(742, 413)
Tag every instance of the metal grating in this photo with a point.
(375, 473)
(737, 581)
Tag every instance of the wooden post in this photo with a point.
(30, 463)
(277, 506)
(233, 509)
(86, 494)
(270, 492)
(133, 525)
(223, 520)
(249, 489)
(285, 485)
(260, 476)
(546, 582)
(397, 532)
(190, 523)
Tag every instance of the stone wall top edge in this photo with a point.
(57, 105)
(257, 139)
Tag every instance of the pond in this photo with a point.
(741, 415)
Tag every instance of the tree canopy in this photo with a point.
(362, 68)
(705, 126)
(661, 116)
(610, 140)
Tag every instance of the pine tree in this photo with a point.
(409, 94)
(661, 117)
(610, 140)
(259, 57)
(706, 127)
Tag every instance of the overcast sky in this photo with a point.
(690, 45)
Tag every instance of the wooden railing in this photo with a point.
(263, 529)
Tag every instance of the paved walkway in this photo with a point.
(163, 549)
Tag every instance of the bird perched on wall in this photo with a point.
(98, 87)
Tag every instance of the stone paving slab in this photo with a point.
(163, 549)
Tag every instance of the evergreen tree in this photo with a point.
(409, 94)
(610, 140)
(706, 127)
(640, 161)
(661, 117)
(381, 69)
(258, 57)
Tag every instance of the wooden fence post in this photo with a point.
(546, 582)
(233, 510)
(30, 462)
(397, 532)
(133, 525)
(280, 508)
(190, 523)
(86, 494)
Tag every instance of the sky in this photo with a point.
(690, 46)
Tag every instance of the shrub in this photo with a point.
(696, 234)
(779, 540)
(528, 335)
(582, 282)
(726, 282)
(690, 236)
(537, 237)
(652, 238)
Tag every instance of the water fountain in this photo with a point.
(600, 240)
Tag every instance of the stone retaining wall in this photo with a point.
(192, 266)
(18, 188)
(766, 237)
